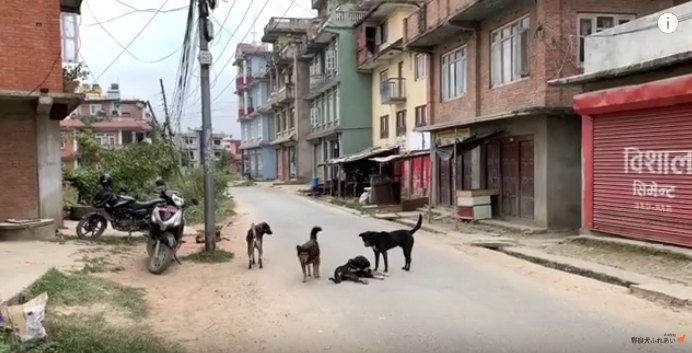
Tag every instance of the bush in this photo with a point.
(70, 197)
(190, 183)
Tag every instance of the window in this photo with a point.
(95, 108)
(384, 127)
(191, 155)
(453, 71)
(336, 105)
(401, 123)
(259, 129)
(593, 23)
(330, 60)
(385, 92)
(70, 37)
(189, 140)
(63, 139)
(291, 118)
(106, 139)
(381, 37)
(421, 115)
(217, 142)
(509, 52)
(217, 154)
(420, 70)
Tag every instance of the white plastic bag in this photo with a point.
(26, 319)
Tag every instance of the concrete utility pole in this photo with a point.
(205, 36)
(167, 123)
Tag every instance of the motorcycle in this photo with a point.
(166, 231)
(122, 211)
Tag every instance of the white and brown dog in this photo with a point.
(254, 241)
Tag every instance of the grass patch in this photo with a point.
(209, 257)
(83, 289)
(98, 264)
(90, 334)
(354, 205)
(114, 240)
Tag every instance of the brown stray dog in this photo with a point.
(254, 241)
(309, 254)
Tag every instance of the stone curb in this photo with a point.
(642, 286)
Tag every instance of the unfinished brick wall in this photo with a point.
(30, 45)
(18, 162)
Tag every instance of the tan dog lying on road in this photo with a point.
(309, 254)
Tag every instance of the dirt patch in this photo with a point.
(110, 313)
(658, 264)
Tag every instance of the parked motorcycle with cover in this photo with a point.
(167, 225)
(124, 213)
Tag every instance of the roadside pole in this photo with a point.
(205, 36)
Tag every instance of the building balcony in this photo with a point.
(393, 91)
(286, 54)
(320, 32)
(278, 26)
(242, 82)
(321, 82)
(283, 96)
(438, 21)
(381, 54)
(245, 112)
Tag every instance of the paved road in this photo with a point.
(453, 300)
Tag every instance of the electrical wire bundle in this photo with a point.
(185, 69)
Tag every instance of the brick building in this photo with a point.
(489, 67)
(32, 103)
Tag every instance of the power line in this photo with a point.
(132, 41)
(124, 47)
(97, 23)
(230, 82)
(247, 10)
(223, 24)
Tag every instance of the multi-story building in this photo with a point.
(340, 96)
(636, 118)
(399, 77)
(232, 145)
(191, 145)
(490, 63)
(254, 113)
(114, 121)
(290, 83)
(33, 100)
(399, 91)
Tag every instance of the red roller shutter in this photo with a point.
(642, 173)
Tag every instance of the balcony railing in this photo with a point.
(245, 112)
(282, 96)
(393, 90)
(319, 80)
(336, 19)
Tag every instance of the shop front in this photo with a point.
(637, 154)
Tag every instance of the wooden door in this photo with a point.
(510, 169)
(509, 179)
(446, 189)
(526, 178)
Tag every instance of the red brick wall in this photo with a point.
(19, 160)
(552, 54)
(30, 45)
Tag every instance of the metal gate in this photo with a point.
(642, 174)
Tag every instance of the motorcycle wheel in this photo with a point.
(91, 228)
(158, 264)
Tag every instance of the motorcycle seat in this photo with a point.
(145, 204)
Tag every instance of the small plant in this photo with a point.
(354, 205)
(70, 197)
(72, 77)
(216, 256)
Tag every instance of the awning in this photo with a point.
(493, 117)
(367, 153)
(447, 151)
(394, 157)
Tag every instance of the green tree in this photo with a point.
(224, 163)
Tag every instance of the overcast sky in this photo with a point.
(163, 36)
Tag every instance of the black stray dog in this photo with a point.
(254, 241)
(355, 270)
(380, 242)
(309, 254)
